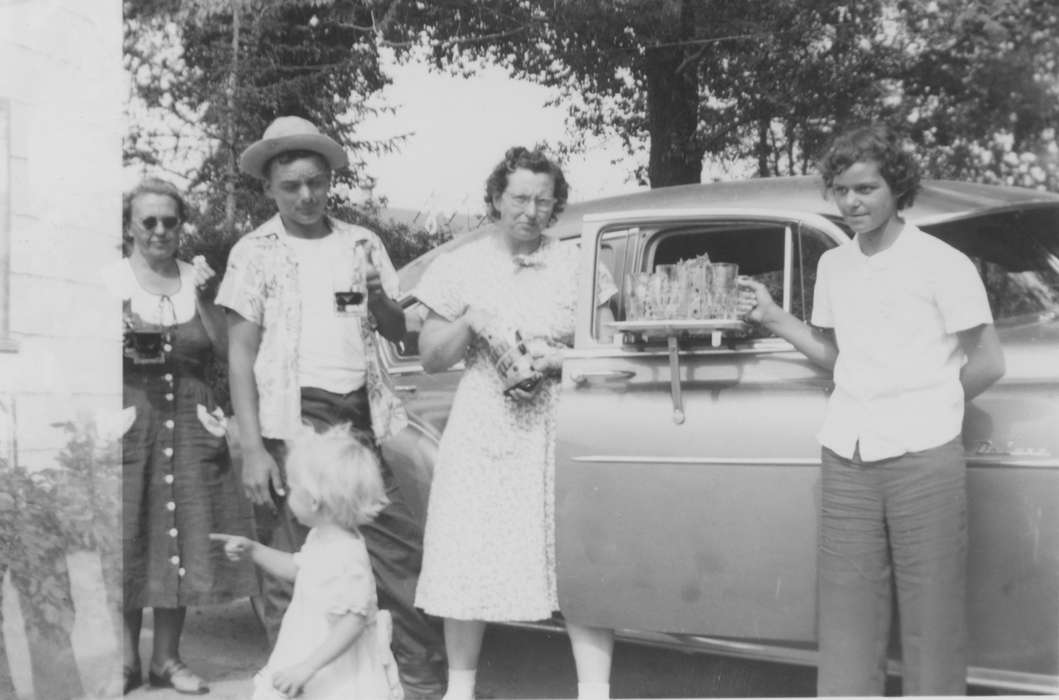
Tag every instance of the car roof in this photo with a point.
(939, 200)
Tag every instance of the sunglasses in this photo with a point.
(168, 222)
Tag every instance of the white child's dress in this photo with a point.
(334, 578)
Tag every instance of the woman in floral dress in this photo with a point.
(489, 547)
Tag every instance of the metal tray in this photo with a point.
(679, 326)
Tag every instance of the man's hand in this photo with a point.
(754, 302)
(291, 681)
(260, 469)
(236, 547)
(373, 281)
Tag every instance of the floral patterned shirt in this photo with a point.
(261, 285)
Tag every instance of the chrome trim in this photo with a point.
(998, 679)
(747, 461)
(654, 217)
(1013, 461)
(972, 461)
(616, 374)
(788, 266)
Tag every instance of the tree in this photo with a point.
(769, 80)
(243, 63)
(755, 78)
(982, 91)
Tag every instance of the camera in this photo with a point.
(346, 302)
(145, 347)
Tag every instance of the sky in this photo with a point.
(458, 131)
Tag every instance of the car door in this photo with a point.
(1011, 436)
(703, 523)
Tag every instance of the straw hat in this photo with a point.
(290, 134)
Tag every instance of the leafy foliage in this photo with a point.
(766, 80)
(44, 515)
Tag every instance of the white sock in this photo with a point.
(461, 684)
(593, 691)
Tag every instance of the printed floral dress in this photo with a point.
(334, 578)
(489, 546)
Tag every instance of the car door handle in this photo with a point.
(580, 378)
(406, 388)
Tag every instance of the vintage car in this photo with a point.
(687, 469)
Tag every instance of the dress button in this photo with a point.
(168, 478)
(169, 424)
(174, 560)
(168, 397)
(167, 347)
(173, 532)
(181, 571)
(168, 452)
(170, 506)
(168, 377)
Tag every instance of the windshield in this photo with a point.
(1017, 255)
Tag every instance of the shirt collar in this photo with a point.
(274, 227)
(887, 257)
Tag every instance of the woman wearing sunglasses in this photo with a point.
(178, 482)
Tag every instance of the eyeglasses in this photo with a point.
(168, 222)
(522, 200)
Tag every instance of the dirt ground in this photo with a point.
(225, 645)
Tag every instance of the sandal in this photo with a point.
(176, 675)
(133, 678)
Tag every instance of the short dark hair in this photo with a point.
(536, 161)
(285, 157)
(882, 145)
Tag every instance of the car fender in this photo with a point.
(410, 455)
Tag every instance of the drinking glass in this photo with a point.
(634, 298)
(657, 295)
(699, 294)
(723, 289)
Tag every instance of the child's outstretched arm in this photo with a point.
(344, 631)
(279, 564)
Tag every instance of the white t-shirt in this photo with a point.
(896, 315)
(330, 349)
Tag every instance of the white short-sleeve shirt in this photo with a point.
(896, 315)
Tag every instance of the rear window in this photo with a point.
(1017, 255)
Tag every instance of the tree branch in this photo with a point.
(485, 38)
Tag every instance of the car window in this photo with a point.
(1017, 255)
(808, 246)
(756, 247)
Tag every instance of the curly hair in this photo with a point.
(340, 471)
(152, 185)
(880, 144)
(536, 161)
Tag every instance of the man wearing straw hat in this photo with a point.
(305, 294)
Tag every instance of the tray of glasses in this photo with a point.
(706, 326)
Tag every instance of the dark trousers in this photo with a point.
(904, 517)
(395, 544)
